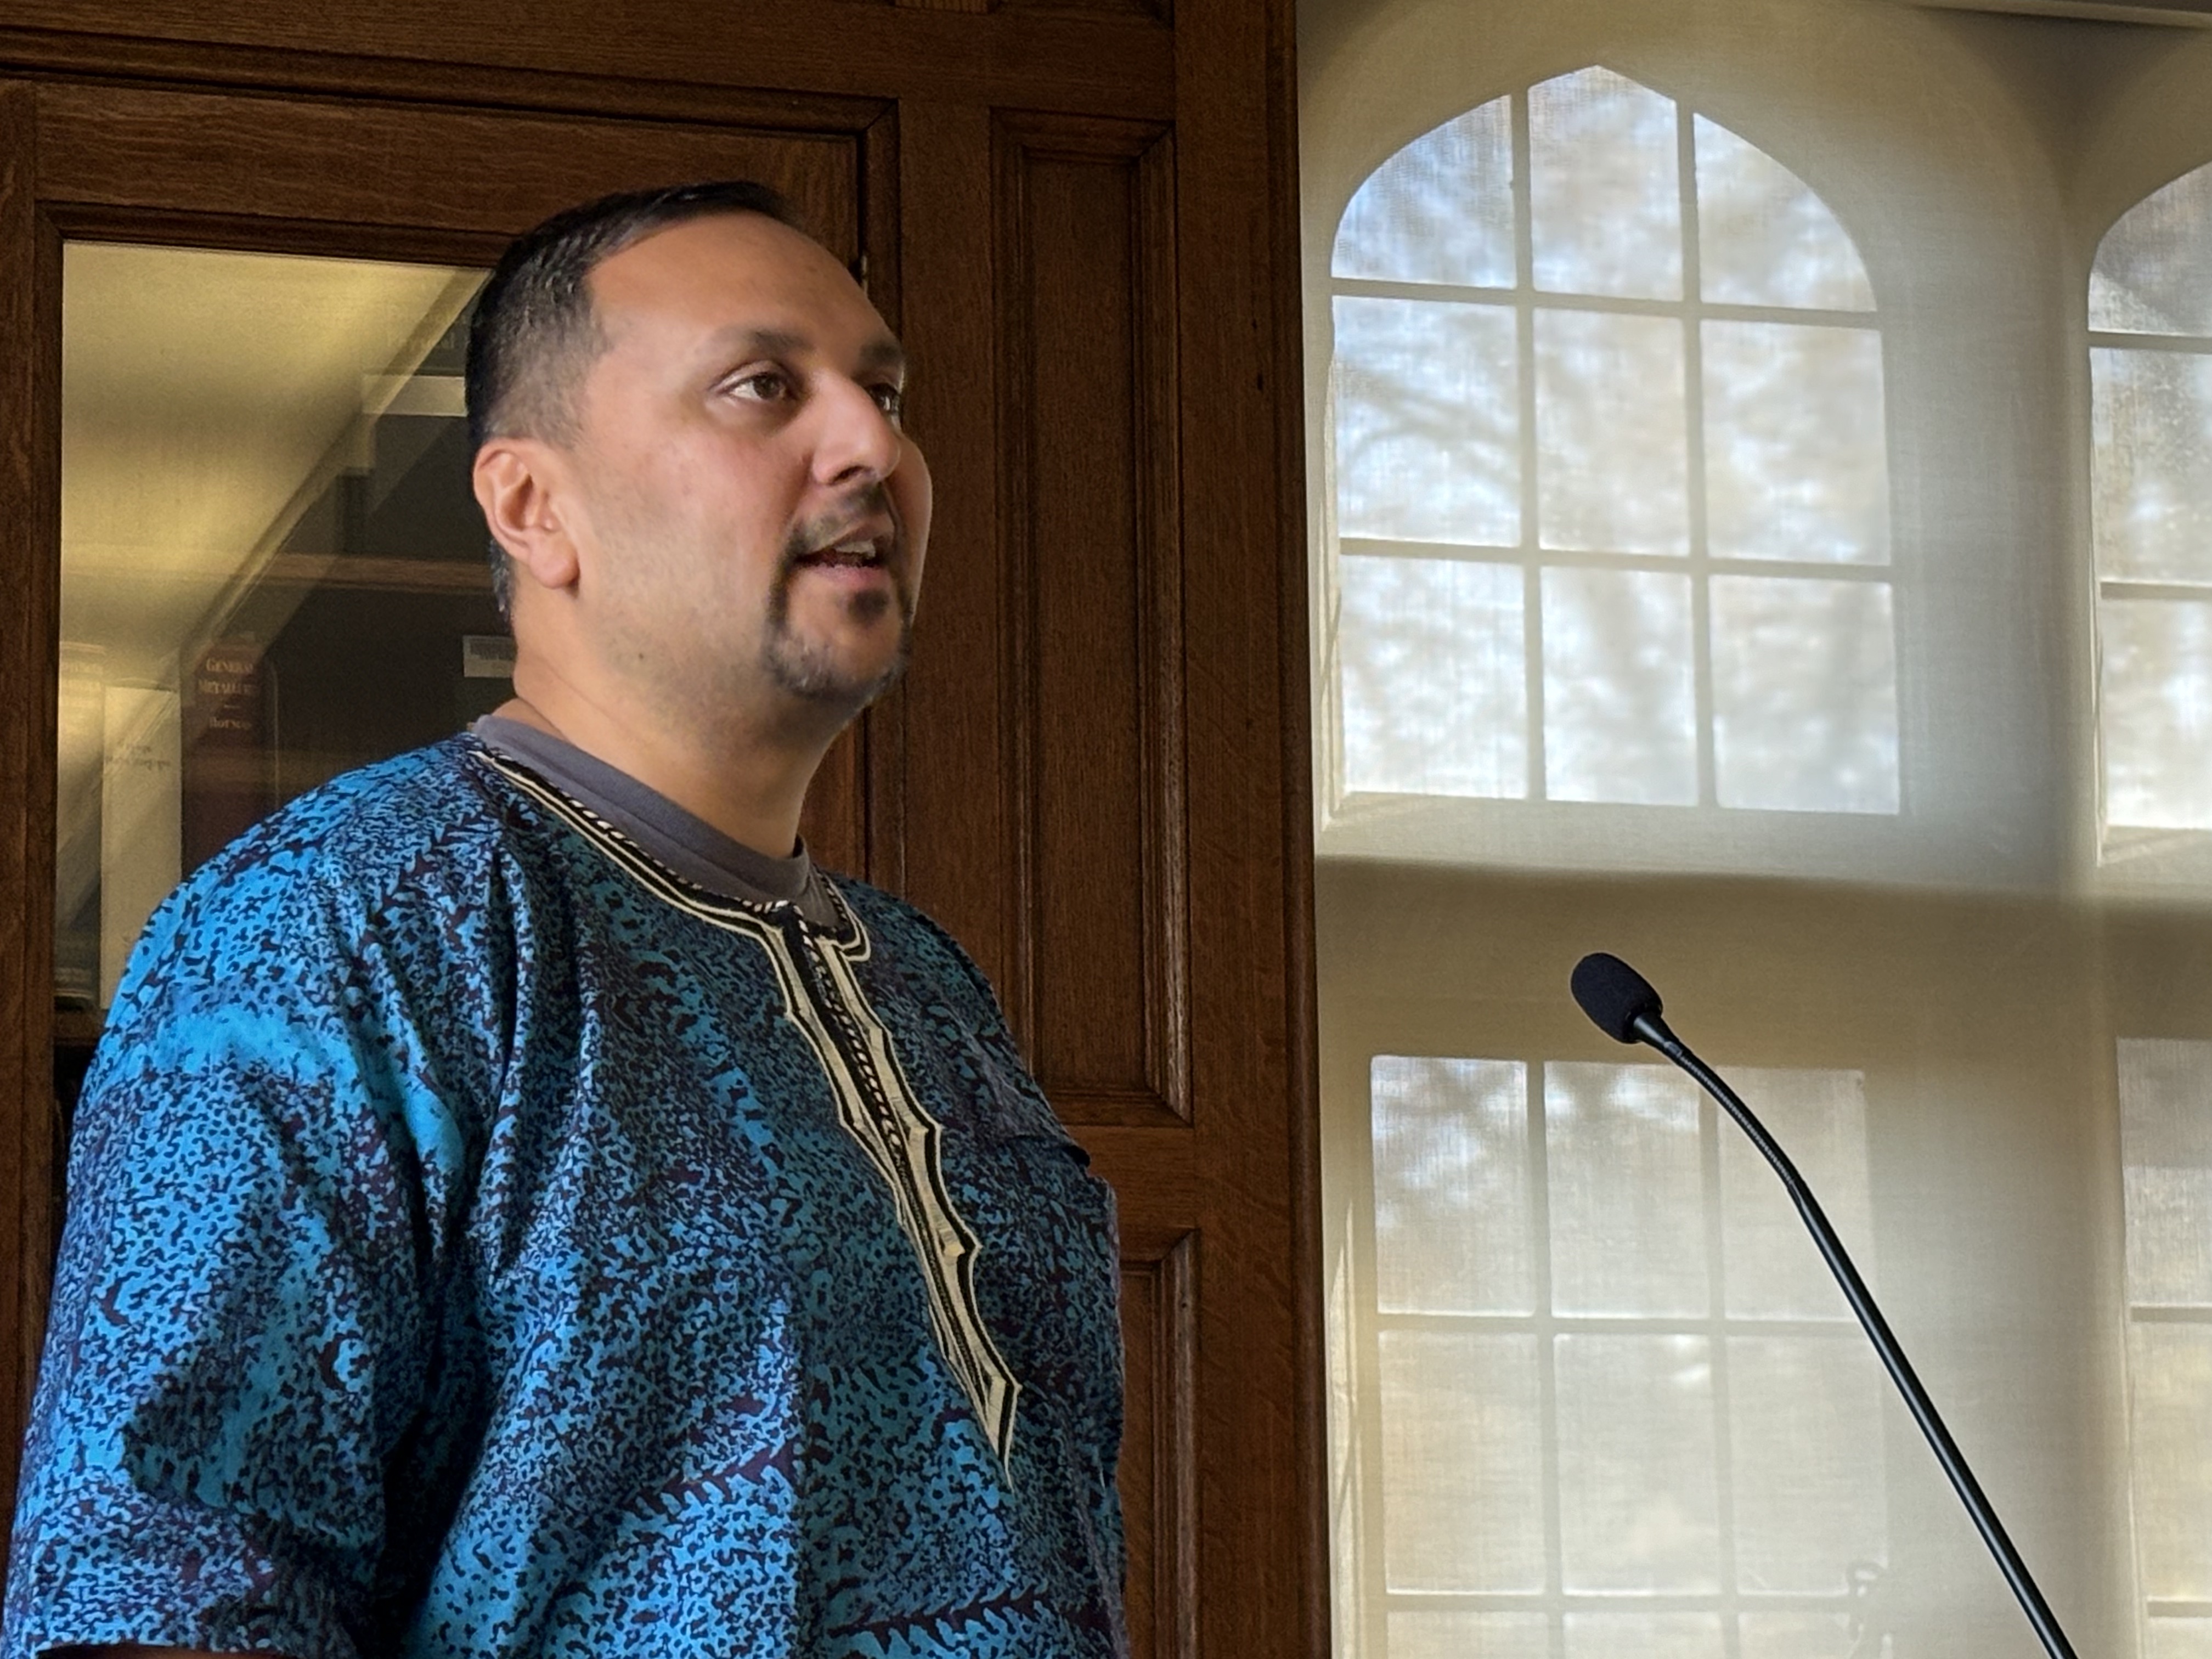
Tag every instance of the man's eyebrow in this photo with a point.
(760, 341)
(880, 356)
(884, 355)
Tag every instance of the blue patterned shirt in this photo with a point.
(484, 1241)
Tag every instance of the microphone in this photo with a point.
(1623, 1004)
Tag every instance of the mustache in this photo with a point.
(862, 501)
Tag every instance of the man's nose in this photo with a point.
(857, 441)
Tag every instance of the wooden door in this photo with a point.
(1078, 214)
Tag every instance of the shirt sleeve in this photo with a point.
(238, 1338)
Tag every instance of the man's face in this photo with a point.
(749, 521)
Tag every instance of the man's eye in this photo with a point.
(891, 399)
(767, 386)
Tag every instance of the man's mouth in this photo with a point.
(864, 537)
(857, 551)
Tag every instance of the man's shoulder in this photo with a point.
(379, 827)
(380, 854)
(402, 836)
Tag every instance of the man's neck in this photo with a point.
(751, 790)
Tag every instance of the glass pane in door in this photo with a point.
(272, 566)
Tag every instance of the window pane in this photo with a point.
(1636, 1504)
(1470, 1636)
(1440, 210)
(1627, 1190)
(1774, 1271)
(1620, 698)
(1644, 1635)
(1612, 464)
(1796, 461)
(1605, 187)
(1764, 239)
(2171, 1385)
(2150, 274)
(272, 567)
(2166, 1148)
(1428, 434)
(2152, 429)
(1796, 1636)
(1806, 1441)
(1435, 692)
(1451, 1185)
(1804, 694)
(1462, 1477)
(2157, 713)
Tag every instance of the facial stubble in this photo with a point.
(810, 672)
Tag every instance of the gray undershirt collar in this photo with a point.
(686, 844)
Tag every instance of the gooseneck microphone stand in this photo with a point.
(1622, 1004)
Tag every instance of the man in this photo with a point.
(520, 1207)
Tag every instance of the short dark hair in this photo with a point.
(533, 334)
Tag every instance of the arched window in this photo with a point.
(1611, 482)
(2150, 322)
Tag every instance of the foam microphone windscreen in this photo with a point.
(1614, 995)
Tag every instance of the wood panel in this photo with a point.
(1093, 574)
(952, 794)
(1042, 60)
(1159, 1493)
(485, 176)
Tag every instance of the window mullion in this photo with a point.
(1693, 419)
(1370, 1565)
(1524, 331)
(1547, 1392)
(1709, 1149)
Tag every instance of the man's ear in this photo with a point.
(522, 484)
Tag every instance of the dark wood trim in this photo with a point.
(117, 60)
(1253, 1098)
(1161, 553)
(244, 233)
(562, 55)
(1294, 659)
(239, 158)
(30, 499)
